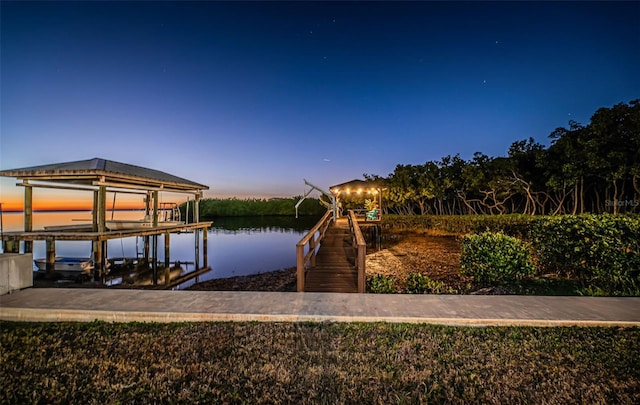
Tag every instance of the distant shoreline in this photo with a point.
(71, 210)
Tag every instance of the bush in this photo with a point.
(418, 283)
(495, 257)
(603, 250)
(382, 284)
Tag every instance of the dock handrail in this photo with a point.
(360, 247)
(313, 242)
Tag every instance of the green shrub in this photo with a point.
(495, 257)
(600, 251)
(382, 284)
(418, 283)
(603, 250)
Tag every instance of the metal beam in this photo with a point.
(161, 187)
(80, 188)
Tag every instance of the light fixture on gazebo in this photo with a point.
(358, 187)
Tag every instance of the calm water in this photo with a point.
(236, 246)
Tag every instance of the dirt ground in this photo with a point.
(433, 254)
(279, 280)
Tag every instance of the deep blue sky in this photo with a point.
(250, 98)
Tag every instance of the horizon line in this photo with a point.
(69, 210)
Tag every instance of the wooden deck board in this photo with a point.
(335, 269)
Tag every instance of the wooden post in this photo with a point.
(155, 209)
(94, 213)
(167, 271)
(361, 257)
(28, 215)
(154, 263)
(300, 267)
(95, 248)
(196, 252)
(167, 276)
(97, 259)
(147, 249)
(102, 209)
(4, 246)
(100, 246)
(154, 258)
(103, 261)
(313, 244)
(205, 254)
(196, 219)
(147, 211)
(196, 208)
(360, 247)
(51, 255)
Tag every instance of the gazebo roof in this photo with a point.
(354, 185)
(93, 172)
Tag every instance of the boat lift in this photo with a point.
(333, 206)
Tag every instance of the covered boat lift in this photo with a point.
(100, 176)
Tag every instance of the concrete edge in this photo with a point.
(69, 315)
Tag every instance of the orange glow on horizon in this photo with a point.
(45, 199)
(65, 204)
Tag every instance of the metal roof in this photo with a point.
(104, 172)
(354, 185)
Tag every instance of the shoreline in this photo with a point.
(283, 280)
(435, 255)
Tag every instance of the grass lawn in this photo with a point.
(315, 363)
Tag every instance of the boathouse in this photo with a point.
(99, 177)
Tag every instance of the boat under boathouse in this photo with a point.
(99, 177)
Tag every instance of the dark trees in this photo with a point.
(593, 168)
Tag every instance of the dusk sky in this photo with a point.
(250, 98)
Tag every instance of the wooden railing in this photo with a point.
(360, 247)
(310, 239)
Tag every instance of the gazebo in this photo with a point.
(370, 217)
(100, 176)
(360, 188)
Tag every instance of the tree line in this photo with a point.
(593, 168)
(232, 207)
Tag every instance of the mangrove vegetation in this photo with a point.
(593, 168)
(212, 208)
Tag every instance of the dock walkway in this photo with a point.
(86, 305)
(335, 269)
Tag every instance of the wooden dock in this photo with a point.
(331, 257)
(335, 269)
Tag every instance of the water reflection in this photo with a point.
(250, 245)
(265, 223)
(236, 246)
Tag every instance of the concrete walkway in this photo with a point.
(79, 304)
